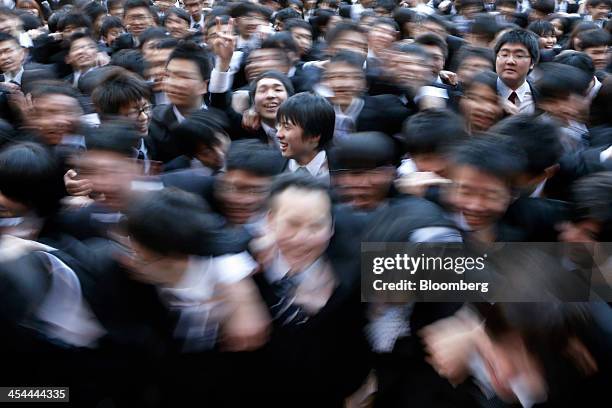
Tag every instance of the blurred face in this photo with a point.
(547, 41)
(11, 56)
(303, 39)
(214, 156)
(269, 95)
(113, 34)
(410, 71)
(249, 24)
(82, 54)
(481, 198)
(564, 109)
(346, 82)
(363, 189)
(10, 208)
(471, 66)
(599, 55)
(9, 24)
(28, 7)
(599, 12)
(481, 108)
(111, 175)
(437, 58)
(176, 26)
(116, 11)
(54, 116)
(194, 8)
(263, 60)
(138, 19)
(580, 231)
(432, 162)
(242, 194)
(163, 5)
(302, 223)
(513, 64)
(381, 37)
(157, 67)
(184, 84)
(558, 25)
(293, 144)
(140, 112)
(350, 41)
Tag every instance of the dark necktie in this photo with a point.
(196, 26)
(513, 97)
(285, 310)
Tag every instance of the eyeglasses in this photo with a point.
(146, 110)
(517, 56)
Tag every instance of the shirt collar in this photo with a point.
(521, 91)
(353, 110)
(17, 78)
(315, 165)
(179, 116)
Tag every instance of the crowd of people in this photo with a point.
(185, 187)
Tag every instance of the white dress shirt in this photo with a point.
(14, 78)
(317, 167)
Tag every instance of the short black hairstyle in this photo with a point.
(485, 25)
(521, 36)
(313, 113)
(109, 23)
(539, 140)
(45, 88)
(132, 4)
(120, 137)
(342, 28)
(494, 155)
(466, 52)
(432, 39)
(244, 8)
(79, 36)
(152, 33)
(7, 37)
(559, 81)
(541, 28)
(595, 3)
(386, 21)
(119, 89)
(289, 180)
(593, 38)
(279, 76)
(286, 14)
(349, 58)
(543, 6)
(189, 50)
(74, 19)
(93, 10)
(297, 23)
(487, 78)
(155, 216)
(281, 40)
(180, 13)
(30, 175)
(132, 60)
(363, 151)
(412, 49)
(200, 128)
(592, 196)
(254, 157)
(166, 43)
(576, 59)
(432, 131)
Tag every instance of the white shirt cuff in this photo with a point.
(220, 81)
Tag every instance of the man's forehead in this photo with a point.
(514, 47)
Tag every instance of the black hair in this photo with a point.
(132, 4)
(189, 50)
(313, 113)
(593, 197)
(156, 215)
(93, 10)
(79, 36)
(432, 131)
(363, 151)
(132, 60)
(286, 14)
(54, 19)
(387, 5)
(342, 28)
(30, 175)
(200, 128)
(152, 33)
(281, 40)
(595, 3)
(578, 60)
(540, 140)
(512, 3)
(254, 157)
(467, 52)
(297, 23)
(412, 49)
(109, 23)
(460, 4)
(578, 28)
(386, 21)
(593, 38)
(45, 88)
(279, 76)
(319, 21)
(289, 180)
(119, 137)
(487, 78)
(432, 39)
(493, 155)
(7, 37)
(543, 6)
(180, 13)
(349, 58)
(166, 43)
(485, 25)
(74, 19)
(601, 107)
(524, 37)
(542, 28)
(119, 89)
(559, 81)
(243, 8)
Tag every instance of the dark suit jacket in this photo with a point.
(382, 113)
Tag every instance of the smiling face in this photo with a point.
(513, 63)
(293, 144)
(480, 106)
(82, 54)
(54, 116)
(547, 41)
(176, 26)
(269, 95)
(138, 19)
(183, 82)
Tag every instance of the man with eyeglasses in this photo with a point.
(517, 53)
(137, 17)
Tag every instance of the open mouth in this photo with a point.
(271, 106)
(283, 146)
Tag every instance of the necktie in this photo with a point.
(513, 97)
(285, 310)
(302, 171)
(196, 26)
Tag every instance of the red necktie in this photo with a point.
(513, 97)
